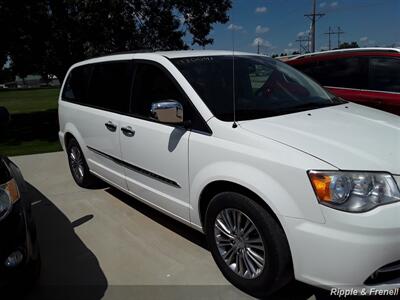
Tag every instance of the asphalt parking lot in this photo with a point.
(103, 244)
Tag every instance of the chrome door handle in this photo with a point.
(128, 131)
(111, 126)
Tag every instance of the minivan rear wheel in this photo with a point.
(78, 166)
(248, 245)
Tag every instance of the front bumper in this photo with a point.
(346, 250)
(18, 233)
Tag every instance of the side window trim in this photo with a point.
(133, 75)
(133, 68)
(137, 62)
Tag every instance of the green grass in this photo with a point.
(34, 123)
(30, 147)
(26, 101)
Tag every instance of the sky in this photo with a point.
(276, 24)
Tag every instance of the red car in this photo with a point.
(368, 76)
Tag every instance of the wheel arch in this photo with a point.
(70, 131)
(67, 137)
(215, 187)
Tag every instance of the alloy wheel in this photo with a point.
(77, 162)
(239, 243)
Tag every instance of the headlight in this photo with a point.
(354, 191)
(9, 194)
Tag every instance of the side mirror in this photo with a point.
(168, 111)
(4, 118)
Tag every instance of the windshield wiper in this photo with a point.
(307, 106)
(310, 105)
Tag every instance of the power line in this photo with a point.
(314, 17)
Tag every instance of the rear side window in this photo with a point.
(110, 86)
(384, 74)
(350, 72)
(76, 86)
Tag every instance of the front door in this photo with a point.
(155, 155)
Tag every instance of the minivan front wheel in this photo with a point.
(78, 166)
(248, 245)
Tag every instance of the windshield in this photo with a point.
(264, 87)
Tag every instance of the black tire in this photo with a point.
(278, 268)
(25, 282)
(34, 270)
(84, 178)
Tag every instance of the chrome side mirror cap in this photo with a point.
(168, 111)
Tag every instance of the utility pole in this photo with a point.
(332, 32)
(314, 17)
(304, 48)
(339, 32)
(258, 46)
(329, 33)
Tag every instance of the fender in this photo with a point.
(71, 129)
(265, 186)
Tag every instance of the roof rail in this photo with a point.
(127, 52)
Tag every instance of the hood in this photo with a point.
(348, 136)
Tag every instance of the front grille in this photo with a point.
(387, 274)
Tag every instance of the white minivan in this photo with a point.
(286, 180)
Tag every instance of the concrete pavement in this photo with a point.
(103, 244)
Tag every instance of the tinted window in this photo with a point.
(110, 85)
(348, 72)
(263, 87)
(152, 85)
(307, 68)
(384, 74)
(76, 85)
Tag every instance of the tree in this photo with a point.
(6, 75)
(346, 45)
(50, 35)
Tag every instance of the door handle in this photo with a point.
(111, 126)
(128, 131)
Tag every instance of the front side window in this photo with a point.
(110, 85)
(384, 74)
(263, 87)
(347, 72)
(152, 85)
